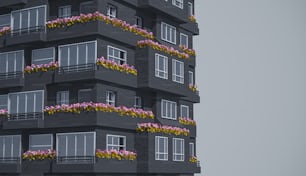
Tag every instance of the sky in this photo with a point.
(251, 73)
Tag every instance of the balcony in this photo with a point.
(92, 164)
(10, 166)
(165, 7)
(11, 79)
(9, 3)
(105, 119)
(23, 121)
(94, 72)
(192, 27)
(94, 28)
(27, 35)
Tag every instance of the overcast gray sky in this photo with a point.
(251, 74)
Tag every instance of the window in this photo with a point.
(138, 102)
(11, 62)
(10, 148)
(111, 11)
(30, 19)
(190, 9)
(76, 147)
(191, 149)
(161, 148)
(78, 54)
(168, 109)
(115, 142)
(178, 149)
(84, 95)
(184, 40)
(64, 11)
(62, 97)
(116, 55)
(3, 101)
(168, 33)
(161, 66)
(40, 142)
(185, 111)
(88, 7)
(178, 3)
(25, 105)
(178, 71)
(43, 56)
(190, 75)
(138, 21)
(5, 20)
(111, 98)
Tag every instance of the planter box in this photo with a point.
(40, 78)
(115, 166)
(23, 124)
(39, 166)
(10, 168)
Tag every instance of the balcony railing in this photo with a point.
(76, 159)
(10, 75)
(25, 116)
(77, 68)
(10, 160)
(24, 31)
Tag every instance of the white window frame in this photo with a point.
(177, 78)
(113, 145)
(191, 149)
(139, 100)
(108, 13)
(175, 154)
(171, 40)
(124, 60)
(187, 107)
(157, 70)
(42, 59)
(72, 44)
(26, 92)
(190, 9)
(47, 146)
(5, 96)
(28, 9)
(75, 133)
(5, 159)
(15, 62)
(60, 102)
(139, 19)
(6, 24)
(157, 149)
(111, 100)
(184, 35)
(61, 9)
(190, 81)
(173, 104)
(178, 3)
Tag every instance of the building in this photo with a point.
(97, 87)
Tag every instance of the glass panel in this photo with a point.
(71, 145)
(22, 103)
(5, 20)
(39, 101)
(173, 108)
(16, 146)
(73, 55)
(3, 63)
(24, 19)
(91, 55)
(3, 102)
(82, 54)
(11, 62)
(61, 144)
(80, 145)
(42, 54)
(64, 60)
(1, 147)
(41, 16)
(16, 20)
(13, 103)
(33, 17)
(90, 148)
(161, 145)
(30, 102)
(19, 61)
(7, 145)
